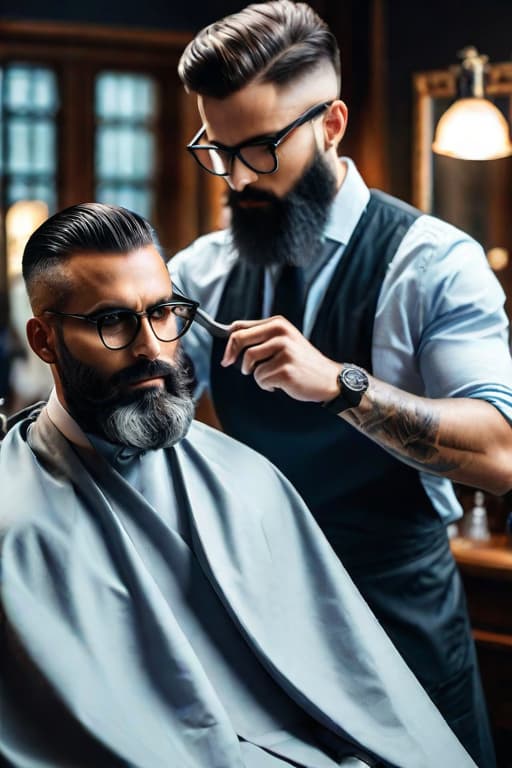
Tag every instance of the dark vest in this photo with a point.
(372, 507)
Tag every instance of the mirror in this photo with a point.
(433, 92)
(475, 195)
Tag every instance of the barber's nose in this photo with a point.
(240, 175)
(146, 343)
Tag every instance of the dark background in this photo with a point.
(412, 36)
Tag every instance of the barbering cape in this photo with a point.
(92, 653)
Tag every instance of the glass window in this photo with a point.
(30, 102)
(126, 109)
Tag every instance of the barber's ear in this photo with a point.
(335, 123)
(41, 339)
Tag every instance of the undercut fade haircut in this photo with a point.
(87, 227)
(275, 42)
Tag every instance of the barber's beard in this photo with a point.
(286, 230)
(143, 417)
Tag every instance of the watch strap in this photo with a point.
(353, 383)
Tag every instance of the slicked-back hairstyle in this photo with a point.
(87, 227)
(275, 42)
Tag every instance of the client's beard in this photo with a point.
(289, 229)
(145, 418)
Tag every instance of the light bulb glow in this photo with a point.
(21, 219)
(498, 258)
(473, 129)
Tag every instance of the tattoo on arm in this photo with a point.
(407, 428)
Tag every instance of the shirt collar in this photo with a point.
(348, 205)
(65, 423)
(116, 455)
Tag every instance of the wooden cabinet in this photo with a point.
(486, 571)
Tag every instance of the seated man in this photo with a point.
(152, 615)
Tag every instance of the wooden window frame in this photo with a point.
(77, 53)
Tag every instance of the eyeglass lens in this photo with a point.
(168, 322)
(260, 157)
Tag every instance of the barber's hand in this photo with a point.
(280, 357)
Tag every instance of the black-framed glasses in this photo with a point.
(118, 328)
(259, 154)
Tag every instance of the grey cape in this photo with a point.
(91, 651)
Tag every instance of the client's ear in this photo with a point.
(40, 338)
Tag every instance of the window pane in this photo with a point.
(144, 153)
(126, 100)
(17, 88)
(18, 190)
(146, 98)
(46, 193)
(44, 147)
(120, 96)
(136, 199)
(105, 95)
(18, 145)
(30, 89)
(106, 152)
(126, 153)
(144, 202)
(27, 190)
(126, 114)
(29, 99)
(44, 90)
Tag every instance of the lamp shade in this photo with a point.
(473, 129)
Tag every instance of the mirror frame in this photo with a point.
(436, 84)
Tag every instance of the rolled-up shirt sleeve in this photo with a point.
(447, 330)
(464, 349)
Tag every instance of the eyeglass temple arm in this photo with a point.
(202, 318)
(214, 328)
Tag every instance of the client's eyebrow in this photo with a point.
(101, 308)
(163, 300)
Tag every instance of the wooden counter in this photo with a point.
(493, 558)
(486, 570)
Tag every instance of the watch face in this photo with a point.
(355, 379)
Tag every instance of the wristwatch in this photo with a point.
(353, 383)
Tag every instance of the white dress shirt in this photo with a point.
(440, 327)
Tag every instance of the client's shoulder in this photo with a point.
(34, 493)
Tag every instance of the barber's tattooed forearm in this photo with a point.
(409, 430)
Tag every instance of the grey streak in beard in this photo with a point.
(143, 418)
(156, 420)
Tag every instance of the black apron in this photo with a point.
(372, 507)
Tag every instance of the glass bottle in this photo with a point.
(475, 525)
